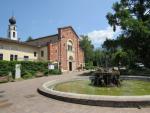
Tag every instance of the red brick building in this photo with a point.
(62, 48)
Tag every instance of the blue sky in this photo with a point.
(38, 18)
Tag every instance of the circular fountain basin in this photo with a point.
(53, 89)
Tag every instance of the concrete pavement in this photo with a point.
(22, 97)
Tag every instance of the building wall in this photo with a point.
(66, 34)
(11, 30)
(45, 55)
(53, 50)
(16, 49)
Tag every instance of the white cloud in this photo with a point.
(99, 36)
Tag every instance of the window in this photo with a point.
(70, 58)
(14, 34)
(1, 56)
(11, 57)
(16, 57)
(26, 58)
(70, 46)
(42, 53)
(35, 54)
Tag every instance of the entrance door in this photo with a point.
(70, 66)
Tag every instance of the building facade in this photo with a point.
(62, 48)
(11, 50)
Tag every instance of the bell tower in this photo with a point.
(12, 32)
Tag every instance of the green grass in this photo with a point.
(128, 88)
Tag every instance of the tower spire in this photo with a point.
(12, 33)
(12, 12)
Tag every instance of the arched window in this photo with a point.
(70, 45)
(14, 35)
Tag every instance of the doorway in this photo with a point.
(70, 66)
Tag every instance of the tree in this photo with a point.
(133, 16)
(98, 57)
(110, 45)
(29, 38)
(88, 48)
(121, 58)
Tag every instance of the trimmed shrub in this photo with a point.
(52, 72)
(28, 68)
(27, 75)
(4, 68)
(4, 79)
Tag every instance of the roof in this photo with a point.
(15, 42)
(66, 27)
(42, 37)
(43, 41)
(52, 36)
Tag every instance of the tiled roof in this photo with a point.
(14, 41)
(66, 27)
(43, 41)
(43, 37)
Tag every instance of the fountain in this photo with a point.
(106, 78)
(132, 91)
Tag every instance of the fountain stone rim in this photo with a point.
(98, 100)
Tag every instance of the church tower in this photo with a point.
(12, 33)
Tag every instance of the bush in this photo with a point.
(89, 65)
(27, 75)
(55, 71)
(52, 72)
(4, 79)
(5, 68)
(46, 72)
(28, 68)
(3, 72)
(145, 72)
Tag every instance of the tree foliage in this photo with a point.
(121, 58)
(29, 38)
(99, 57)
(133, 16)
(88, 48)
(110, 45)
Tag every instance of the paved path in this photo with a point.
(22, 97)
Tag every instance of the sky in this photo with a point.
(38, 18)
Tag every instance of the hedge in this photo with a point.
(28, 68)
